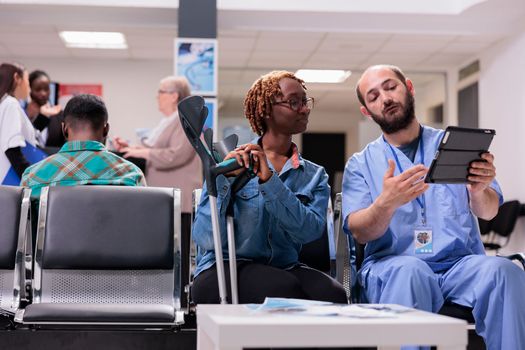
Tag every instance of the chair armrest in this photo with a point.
(343, 268)
(342, 253)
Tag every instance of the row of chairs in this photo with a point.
(112, 256)
(104, 256)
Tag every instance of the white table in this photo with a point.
(229, 327)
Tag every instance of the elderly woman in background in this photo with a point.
(170, 158)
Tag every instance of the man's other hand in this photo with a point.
(403, 188)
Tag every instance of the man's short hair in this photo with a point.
(86, 110)
(395, 69)
(180, 85)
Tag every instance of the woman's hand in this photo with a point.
(49, 110)
(238, 156)
(119, 144)
(244, 153)
(136, 152)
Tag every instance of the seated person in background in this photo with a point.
(83, 160)
(277, 212)
(46, 118)
(170, 159)
(423, 245)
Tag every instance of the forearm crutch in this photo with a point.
(193, 113)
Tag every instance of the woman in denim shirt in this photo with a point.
(277, 212)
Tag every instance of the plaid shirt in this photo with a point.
(81, 163)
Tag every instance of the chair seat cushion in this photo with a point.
(99, 313)
(457, 311)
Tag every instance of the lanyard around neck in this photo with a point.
(421, 149)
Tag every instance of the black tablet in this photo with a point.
(458, 148)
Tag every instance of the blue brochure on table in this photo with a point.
(33, 155)
(301, 307)
(279, 304)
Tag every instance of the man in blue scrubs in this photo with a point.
(423, 245)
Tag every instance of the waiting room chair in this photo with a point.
(191, 255)
(14, 230)
(345, 273)
(315, 254)
(496, 232)
(351, 263)
(107, 255)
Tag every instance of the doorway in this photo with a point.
(327, 150)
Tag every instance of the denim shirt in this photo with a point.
(271, 220)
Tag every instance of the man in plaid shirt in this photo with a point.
(83, 160)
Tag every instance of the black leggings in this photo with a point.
(258, 281)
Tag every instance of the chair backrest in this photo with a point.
(108, 245)
(496, 232)
(14, 219)
(505, 221)
(317, 254)
(484, 226)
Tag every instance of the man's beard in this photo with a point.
(399, 123)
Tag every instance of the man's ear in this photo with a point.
(364, 111)
(65, 131)
(410, 87)
(105, 131)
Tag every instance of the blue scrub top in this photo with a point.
(454, 228)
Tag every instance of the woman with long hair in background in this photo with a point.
(16, 131)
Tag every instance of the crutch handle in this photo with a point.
(226, 166)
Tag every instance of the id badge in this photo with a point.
(423, 240)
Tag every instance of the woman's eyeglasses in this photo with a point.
(296, 104)
(160, 92)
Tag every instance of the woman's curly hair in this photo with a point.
(259, 99)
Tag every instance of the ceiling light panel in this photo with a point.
(333, 76)
(94, 40)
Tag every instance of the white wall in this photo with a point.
(359, 130)
(451, 91)
(129, 87)
(428, 96)
(502, 107)
(368, 132)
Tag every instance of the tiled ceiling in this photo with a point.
(251, 43)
